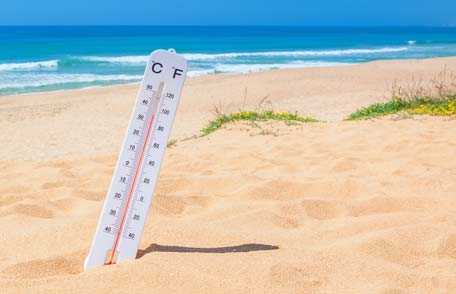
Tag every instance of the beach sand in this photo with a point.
(329, 207)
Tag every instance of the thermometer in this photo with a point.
(129, 197)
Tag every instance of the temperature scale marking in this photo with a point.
(130, 193)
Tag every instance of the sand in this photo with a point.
(335, 207)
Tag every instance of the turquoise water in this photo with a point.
(53, 58)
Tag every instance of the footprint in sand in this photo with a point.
(52, 185)
(448, 246)
(15, 190)
(176, 205)
(386, 249)
(345, 165)
(32, 210)
(93, 195)
(320, 209)
(66, 204)
(169, 205)
(40, 268)
(279, 190)
(299, 278)
(6, 200)
(285, 222)
(380, 205)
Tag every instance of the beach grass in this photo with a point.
(436, 96)
(254, 116)
(418, 106)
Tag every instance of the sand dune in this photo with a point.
(334, 207)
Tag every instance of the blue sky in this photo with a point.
(229, 12)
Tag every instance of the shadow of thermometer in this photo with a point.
(130, 193)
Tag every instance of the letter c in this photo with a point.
(157, 64)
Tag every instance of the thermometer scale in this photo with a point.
(129, 197)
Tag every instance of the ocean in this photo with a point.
(65, 57)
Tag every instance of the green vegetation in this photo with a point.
(436, 96)
(430, 106)
(253, 116)
(379, 109)
(445, 107)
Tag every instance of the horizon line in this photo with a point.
(232, 25)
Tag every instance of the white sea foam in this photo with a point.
(411, 42)
(142, 59)
(31, 80)
(48, 64)
(200, 72)
(246, 68)
(133, 59)
(300, 53)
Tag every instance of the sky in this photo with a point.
(230, 12)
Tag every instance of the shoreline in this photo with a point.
(233, 74)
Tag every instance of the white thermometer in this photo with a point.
(129, 197)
